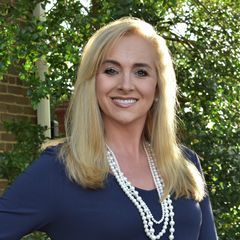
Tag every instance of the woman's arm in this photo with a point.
(25, 206)
(208, 229)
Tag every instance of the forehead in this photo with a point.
(131, 48)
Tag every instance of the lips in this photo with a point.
(124, 102)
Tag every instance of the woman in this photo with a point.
(120, 173)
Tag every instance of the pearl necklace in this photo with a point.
(145, 213)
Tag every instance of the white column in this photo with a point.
(43, 108)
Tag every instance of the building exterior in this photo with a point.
(14, 101)
(14, 105)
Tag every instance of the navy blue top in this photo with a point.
(43, 198)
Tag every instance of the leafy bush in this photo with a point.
(36, 236)
(29, 138)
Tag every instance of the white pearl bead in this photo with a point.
(144, 211)
(172, 222)
(152, 230)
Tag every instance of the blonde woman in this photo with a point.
(120, 173)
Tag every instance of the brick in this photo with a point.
(15, 109)
(22, 118)
(13, 70)
(2, 127)
(23, 100)
(17, 90)
(7, 98)
(34, 119)
(9, 146)
(7, 137)
(5, 147)
(2, 147)
(5, 78)
(10, 79)
(19, 82)
(10, 98)
(29, 111)
(8, 117)
(27, 118)
(3, 108)
(3, 88)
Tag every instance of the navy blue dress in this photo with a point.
(43, 199)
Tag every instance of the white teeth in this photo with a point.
(125, 101)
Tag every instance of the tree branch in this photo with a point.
(180, 39)
(202, 5)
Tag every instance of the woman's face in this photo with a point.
(126, 81)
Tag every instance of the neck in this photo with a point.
(125, 140)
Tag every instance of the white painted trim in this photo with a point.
(43, 108)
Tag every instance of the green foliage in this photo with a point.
(207, 61)
(204, 39)
(29, 139)
(36, 236)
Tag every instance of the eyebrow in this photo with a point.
(134, 65)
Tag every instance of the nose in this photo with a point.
(126, 82)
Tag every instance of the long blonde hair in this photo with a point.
(84, 152)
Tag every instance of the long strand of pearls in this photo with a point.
(145, 213)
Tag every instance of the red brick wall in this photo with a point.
(60, 112)
(14, 105)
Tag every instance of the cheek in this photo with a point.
(150, 95)
(98, 89)
(151, 91)
(102, 89)
(97, 82)
(103, 84)
(100, 86)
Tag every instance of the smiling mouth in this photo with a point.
(124, 102)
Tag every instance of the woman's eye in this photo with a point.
(142, 73)
(110, 71)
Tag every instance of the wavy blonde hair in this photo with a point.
(84, 152)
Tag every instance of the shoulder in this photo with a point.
(41, 177)
(49, 156)
(47, 164)
(37, 189)
(191, 156)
